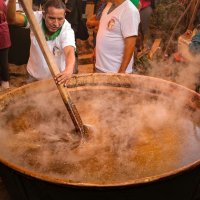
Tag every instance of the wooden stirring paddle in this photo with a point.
(73, 112)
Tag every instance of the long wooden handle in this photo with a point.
(52, 65)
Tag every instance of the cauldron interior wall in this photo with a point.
(182, 184)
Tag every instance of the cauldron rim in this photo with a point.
(60, 181)
(135, 182)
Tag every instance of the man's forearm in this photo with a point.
(70, 59)
(14, 17)
(128, 53)
(11, 10)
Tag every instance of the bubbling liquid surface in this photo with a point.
(134, 136)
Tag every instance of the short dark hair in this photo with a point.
(54, 3)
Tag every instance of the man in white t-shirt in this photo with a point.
(59, 36)
(116, 37)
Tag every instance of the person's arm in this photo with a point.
(92, 22)
(64, 76)
(69, 6)
(13, 17)
(128, 53)
(139, 6)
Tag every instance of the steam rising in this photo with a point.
(135, 135)
(184, 73)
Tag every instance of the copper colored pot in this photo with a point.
(182, 182)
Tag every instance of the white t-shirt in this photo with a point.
(122, 22)
(37, 66)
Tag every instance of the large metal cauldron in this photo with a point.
(179, 184)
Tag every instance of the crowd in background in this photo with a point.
(133, 18)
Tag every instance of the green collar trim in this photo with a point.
(51, 37)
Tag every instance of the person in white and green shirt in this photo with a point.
(116, 37)
(59, 36)
(135, 2)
